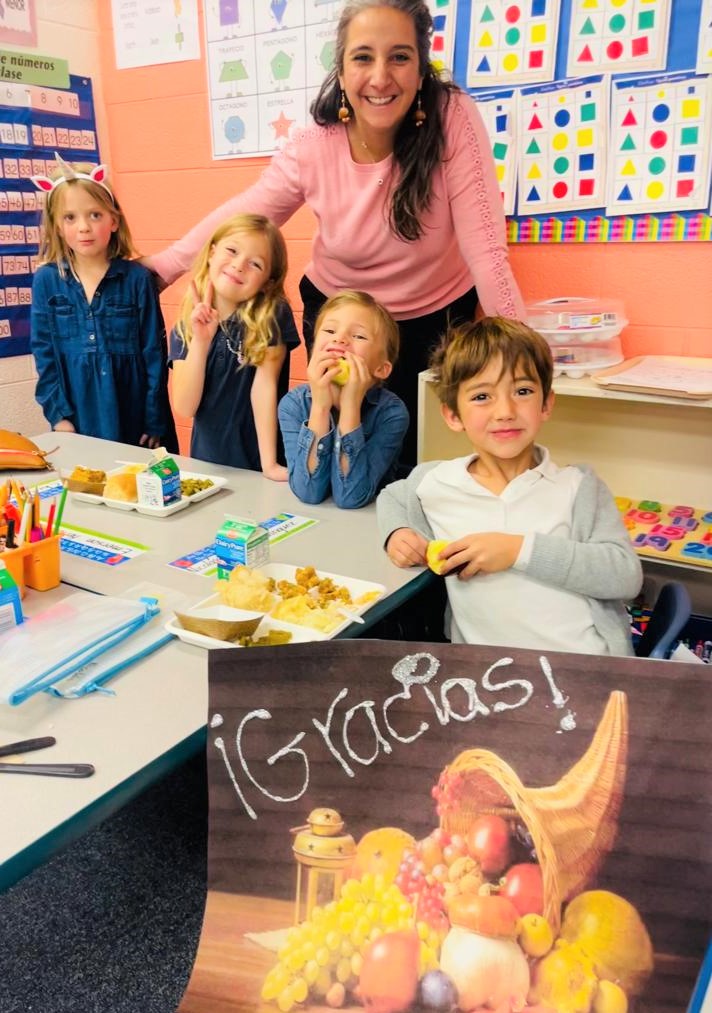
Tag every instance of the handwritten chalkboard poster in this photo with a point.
(543, 820)
(35, 121)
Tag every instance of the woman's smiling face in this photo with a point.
(381, 74)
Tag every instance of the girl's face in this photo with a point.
(84, 223)
(380, 76)
(353, 328)
(239, 267)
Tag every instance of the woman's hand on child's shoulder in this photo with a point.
(406, 547)
(484, 552)
(276, 472)
(204, 318)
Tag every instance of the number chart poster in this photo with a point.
(35, 122)
(528, 44)
(454, 827)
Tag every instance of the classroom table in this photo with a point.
(156, 716)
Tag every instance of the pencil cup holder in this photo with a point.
(34, 564)
(42, 566)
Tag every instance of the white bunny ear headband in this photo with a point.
(97, 175)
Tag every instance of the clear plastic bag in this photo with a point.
(56, 643)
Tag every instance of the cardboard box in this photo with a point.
(240, 542)
(10, 607)
(159, 484)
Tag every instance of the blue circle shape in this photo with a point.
(562, 118)
(661, 112)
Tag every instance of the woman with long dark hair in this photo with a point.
(399, 172)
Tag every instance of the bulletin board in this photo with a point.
(642, 169)
(35, 122)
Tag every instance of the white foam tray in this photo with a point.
(152, 511)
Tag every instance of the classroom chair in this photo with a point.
(671, 611)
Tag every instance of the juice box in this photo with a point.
(159, 484)
(240, 542)
(10, 607)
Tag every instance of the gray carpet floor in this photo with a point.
(111, 924)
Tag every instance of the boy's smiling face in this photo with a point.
(501, 413)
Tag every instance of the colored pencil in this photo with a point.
(50, 519)
(60, 511)
(25, 524)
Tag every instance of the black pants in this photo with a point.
(418, 337)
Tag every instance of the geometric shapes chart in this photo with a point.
(672, 166)
(617, 36)
(512, 43)
(563, 128)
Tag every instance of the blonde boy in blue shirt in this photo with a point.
(537, 556)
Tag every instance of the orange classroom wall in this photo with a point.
(160, 162)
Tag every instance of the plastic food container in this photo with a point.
(583, 333)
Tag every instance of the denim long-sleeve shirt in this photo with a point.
(371, 450)
(101, 364)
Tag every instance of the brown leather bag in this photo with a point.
(17, 453)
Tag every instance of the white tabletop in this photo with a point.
(156, 717)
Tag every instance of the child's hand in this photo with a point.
(486, 552)
(321, 370)
(406, 547)
(64, 426)
(359, 381)
(149, 441)
(204, 318)
(276, 472)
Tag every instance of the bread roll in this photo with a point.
(121, 487)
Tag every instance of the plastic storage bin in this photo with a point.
(583, 333)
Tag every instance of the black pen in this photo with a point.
(10, 542)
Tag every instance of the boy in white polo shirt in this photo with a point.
(537, 555)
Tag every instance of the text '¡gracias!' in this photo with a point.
(414, 673)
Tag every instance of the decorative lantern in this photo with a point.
(322, 852)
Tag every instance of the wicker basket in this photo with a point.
(573, 823)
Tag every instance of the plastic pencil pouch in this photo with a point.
(65, 639)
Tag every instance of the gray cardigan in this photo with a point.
(598, 561)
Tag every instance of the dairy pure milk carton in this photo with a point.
(240, 541)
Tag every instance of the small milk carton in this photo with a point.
(240, 542)
(10, 607)
(159, 484)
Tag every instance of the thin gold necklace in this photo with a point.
(370, 155)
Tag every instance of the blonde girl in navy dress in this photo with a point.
(230, 349)
(96, 333)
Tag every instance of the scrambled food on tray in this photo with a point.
(309, 600)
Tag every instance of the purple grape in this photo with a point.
(436, 991)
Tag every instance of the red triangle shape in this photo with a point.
(630, 120)
(585, 56)
(535, 123)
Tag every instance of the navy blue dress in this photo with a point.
(102, 365)
(224, 426)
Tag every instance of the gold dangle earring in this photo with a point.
(419, 116)
(344, 113)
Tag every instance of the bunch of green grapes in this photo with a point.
(329, 946)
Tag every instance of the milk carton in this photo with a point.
(10, 607)
(159, 484)
(240, 542)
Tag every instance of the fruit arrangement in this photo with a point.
(454, 922)
(488, 912)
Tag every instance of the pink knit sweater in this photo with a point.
(463, 242)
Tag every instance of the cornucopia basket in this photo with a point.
(573, 823)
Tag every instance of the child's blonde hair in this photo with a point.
(258, 314)
(466, 350)
(53, 249)
(385, 324)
